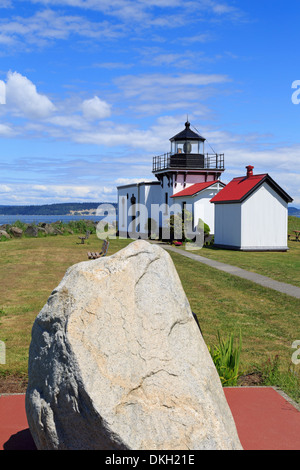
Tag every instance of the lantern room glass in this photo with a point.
(187, 146)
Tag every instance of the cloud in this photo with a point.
(51, 193)
(155, 93)
(22, 97)
(137, 85)
(44, 27)
(6, 131)
(95, 108)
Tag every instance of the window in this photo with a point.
(166, 203)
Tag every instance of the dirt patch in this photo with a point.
(13, 384)
(253, 379)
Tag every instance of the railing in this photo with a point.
(188, 161)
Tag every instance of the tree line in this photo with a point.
(49, 209)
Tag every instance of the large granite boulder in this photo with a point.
(117, 361)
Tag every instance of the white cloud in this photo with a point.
(124, 181)
(50, 193)
(139, 85)
(4, 188)
(44, 27)
(6, 131)
(157, 93)
(95, 108)
(23, 98)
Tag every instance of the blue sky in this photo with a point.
(91, 90)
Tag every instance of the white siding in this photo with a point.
(264, 220)
(202, 207)
(228, 224)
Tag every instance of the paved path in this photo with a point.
(265, 420)
(254, 277)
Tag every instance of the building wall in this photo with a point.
(205, 210)
(264, 217)
(145, 194)
(190, 180)
(228, 224)
(202, 207)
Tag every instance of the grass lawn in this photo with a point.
(281, 266)
(32, 267)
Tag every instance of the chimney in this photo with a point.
(249, 171)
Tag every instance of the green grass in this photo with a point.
(32, 267)
(281, 266)
(268, 320)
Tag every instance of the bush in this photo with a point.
(203, 226)
(177, 222)
(226, 358)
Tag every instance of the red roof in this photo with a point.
(239, 188)
(194, 189)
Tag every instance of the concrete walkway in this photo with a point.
(265, 420)
(264, 281)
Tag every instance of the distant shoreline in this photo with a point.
(38, 219)
(62, 209)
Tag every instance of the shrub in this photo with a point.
(274, 375)
(226, 358)
(202, 226)
(178, 223)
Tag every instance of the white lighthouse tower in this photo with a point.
(186, 175)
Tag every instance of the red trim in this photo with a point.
(194, 189)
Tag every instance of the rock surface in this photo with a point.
(32, 231)
(3, 233)
(16, 232)
(117, 362)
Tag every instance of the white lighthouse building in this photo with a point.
(186, 177)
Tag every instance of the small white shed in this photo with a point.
(251, 214)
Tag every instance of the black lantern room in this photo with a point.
(187, 154)
(187, 142)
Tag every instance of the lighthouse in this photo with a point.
(187, 163)
(186, 176)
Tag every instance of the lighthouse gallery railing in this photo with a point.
(188, 161)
